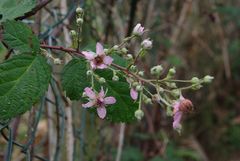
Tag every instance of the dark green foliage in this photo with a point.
(23, 80)
(20, 37)
(74, 78)
(10, 9)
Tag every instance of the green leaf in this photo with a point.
(23, 80)
(11, 9)
(74, 78)
(123, 110)
(19, 36)
(119, 60)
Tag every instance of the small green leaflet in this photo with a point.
(11, 9)
(20, 37)
(74, 78)
(23, 80)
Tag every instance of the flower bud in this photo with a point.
(171, 85)
(160, 89)
(197, 87)
(79, 10)
(141, 73)
(208, 79)
(124, 50)
(89, 72)
(139, 114)
(156, 70)
(148, 101)
(115, 47)
(133, 68)
(79, 21)
(156, 98)
(171, 71)
(135, 84)
(105, 50)
(57, 61)
(139, 88)
(115, 78)
(194, 80)
(129, 57)
(176, 92)
(138, 30)
(73, 33)
(146, 44)
(102, 80)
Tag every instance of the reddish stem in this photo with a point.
(79, 53)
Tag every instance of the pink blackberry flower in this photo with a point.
(179, 108)
(99, 59)
(98, 100)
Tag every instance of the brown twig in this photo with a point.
(34, 10)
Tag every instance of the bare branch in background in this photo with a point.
(39, 6)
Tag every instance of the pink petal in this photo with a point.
(101, 111)
(141, 29)
(177, 120)
(89, 55)
(101, 93)
(99, 49)
(109, 100)
(107, 60)
(176, 106)
(101, 66)
(182, 98)
(136, 28)
(89, 104)
(93, 65)
(90, 93)
(134, 94)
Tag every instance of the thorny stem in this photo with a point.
(126, 40)
(123, 69)
(136, 58)
(79, 53)
(79, 36)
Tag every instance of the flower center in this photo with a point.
(98, 60)
(186, 105)
(99, 103)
